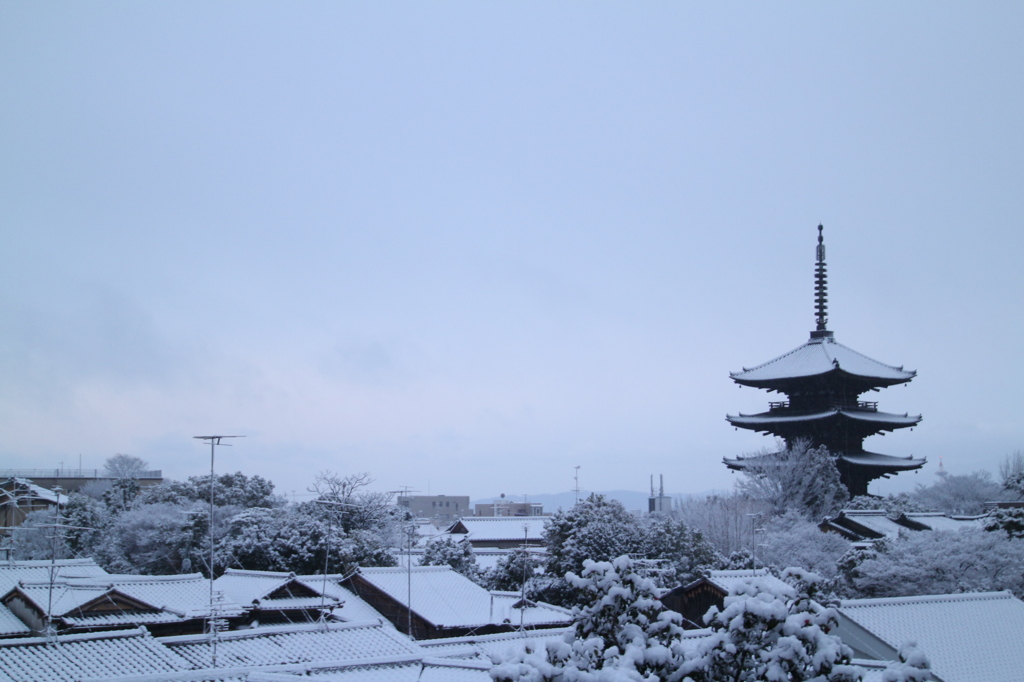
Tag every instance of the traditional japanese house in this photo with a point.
(823, 381)
(164, 604)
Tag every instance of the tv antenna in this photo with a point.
(214, 441)
(404, 492)
(576, 477)
(327, 553)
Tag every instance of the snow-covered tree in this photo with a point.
(236, 490)
(894, 505)
(121, 495)
(152, 539)
(622, 634)
(764, 633)
(302, 539)
(455, 553)
(791, 539)
(124, 466)
(513, 570)
(797, 478)
(598, 529)
(34, 538)
(937, 562)
(1009, 521)
(1011, 473)
(960, 494)
(723, 519)
(685, 551)
(87, 520)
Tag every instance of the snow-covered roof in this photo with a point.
(27, 487)
(864, 459)
(483, 647)
(11, 573)
(73, 657)
(446, 598)
(486, 557)
(873, 459)
(939, 521)
(505, 609)
(291, 644)
(246, 587)
(11, 625)
(729, 580)
(821, 356)
(874, 520)
(176, 597)
(502, 527)
(883, 420)
(968, 637)
(378, 669)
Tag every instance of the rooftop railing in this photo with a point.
(71, 473)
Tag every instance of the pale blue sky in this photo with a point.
(472, 245)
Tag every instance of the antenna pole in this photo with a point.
(214, 442)
(576, 477)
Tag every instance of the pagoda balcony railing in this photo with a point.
(866, 406)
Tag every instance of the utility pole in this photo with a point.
(214, 441)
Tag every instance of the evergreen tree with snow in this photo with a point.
(455, 553)
(622, 634)
(767, 634)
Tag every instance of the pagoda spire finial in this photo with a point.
(821, 284)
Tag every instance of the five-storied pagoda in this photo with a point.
(823, 381)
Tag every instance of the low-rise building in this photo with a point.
(506, 508)
(441, 508)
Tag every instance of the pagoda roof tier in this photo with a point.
(855, 422)
(784, 416)
(863, 459)
(824, 358)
